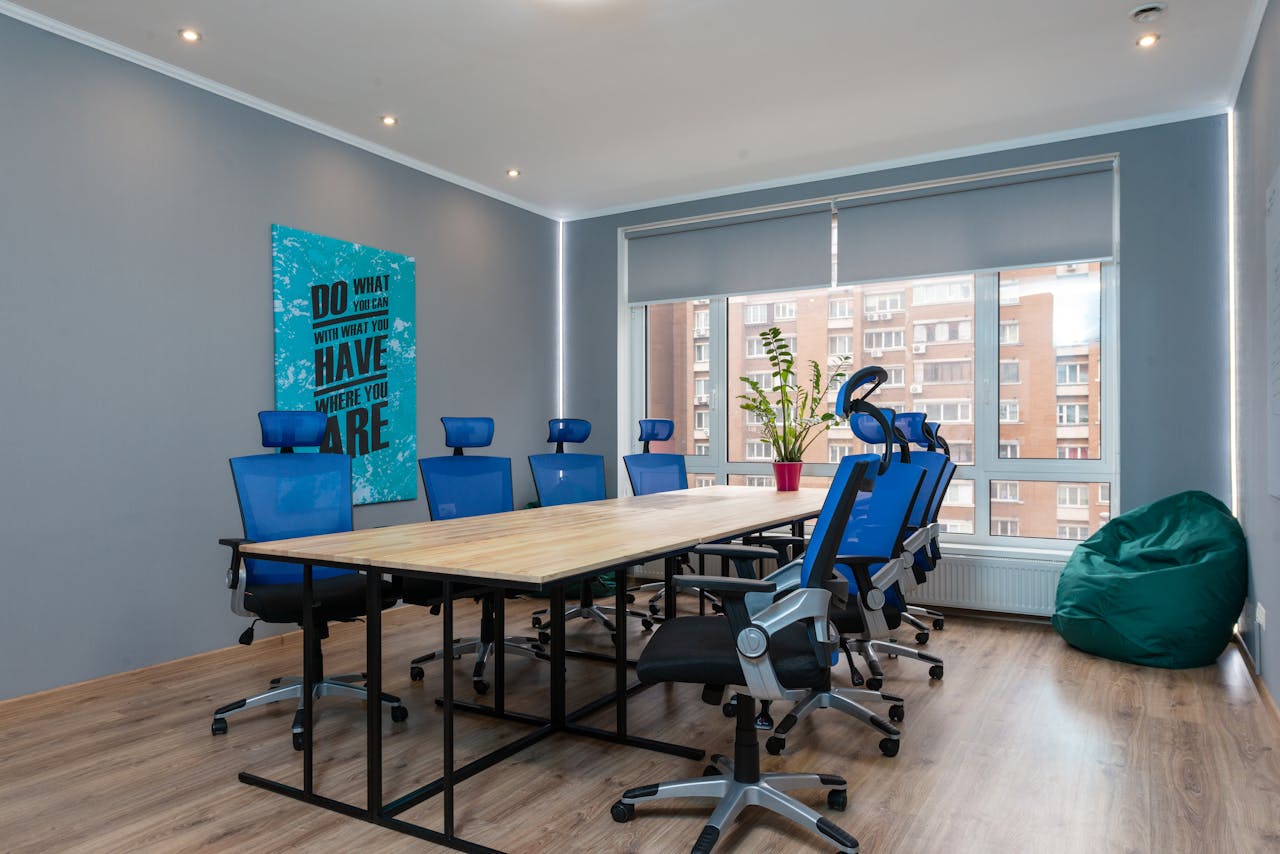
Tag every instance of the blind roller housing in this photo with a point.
(1033, 221)
(779, 252)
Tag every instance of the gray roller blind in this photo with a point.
(1052, 218)
(743, 255)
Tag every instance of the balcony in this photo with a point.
(1073, 431)
(1072, 514)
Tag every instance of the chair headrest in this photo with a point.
(868, 429)
(911, 425)
(574, 430)
(292, 429)
(871, 375)
(468, 432)
(656, 429)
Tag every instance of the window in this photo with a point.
(882, 339)
(947, 411)
(1009, 451)
(943, 331)
(701, 390)
(955, 526)
(1073, 452)
(1073, 532)
(896, 374)
(700, 420)
(959, 494)
(1005, 490)
(840, 345)
(755, 348)
(702, 480)
(759, 480)
(1073, 413)
(882, 303)
(1004, 527)
(1073, 495)
(1104, 494)
(759, 451)
(961, 453)
(1009, 372)
(1073, 373)
(764, 378)
(960, 371)
(701, 352)
(840, 309)
(701, 324)
(1008, 332)
(837, 452)
(1008, 412)
(758, 313)
(942, 291)
(784, 311)
(701, 449)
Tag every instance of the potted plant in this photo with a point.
(789, 412)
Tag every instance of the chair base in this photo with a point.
(866, 648)
(290, 688)
(939, 619)
(523, 647)
(847, 700)
(739, 784)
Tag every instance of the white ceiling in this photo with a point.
(613, 104)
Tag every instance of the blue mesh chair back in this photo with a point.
(912, 426)
(561, 478)
(289, 495)
(467, 485)
(825, 542)
(651, 472)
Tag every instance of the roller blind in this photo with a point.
(742, 255)
(1052, 217)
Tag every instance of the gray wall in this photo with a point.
(1258, 156)
(136, 340)
(1173, 317)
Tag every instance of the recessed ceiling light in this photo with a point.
(513, 173)
(1149, 40)
(189, 35)
(1148, 12)
(390, 120)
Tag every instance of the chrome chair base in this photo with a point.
(867, 650)
(290, 688)
(849, 701)
(523, 647)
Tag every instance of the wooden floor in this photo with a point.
(1027, 745)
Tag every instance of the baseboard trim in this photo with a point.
(1258, 684)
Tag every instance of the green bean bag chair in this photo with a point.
(1161, 585)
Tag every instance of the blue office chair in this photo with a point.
(781, 652)
(562, 478)
(459, 485)
(922, 537)
(288, 495)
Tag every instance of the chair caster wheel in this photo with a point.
(775, 745)
(417, 674)
(764, 721)
(655, 609)
(297, 740)
(875, 683)
(892, 656)
(399, 714)
(922, 638)
(544, 638)
(622, 813)
(631, 598)
(935, 672)
(837, 799)
(939, 624)
(730, 709)
(717, 608)
(646, 624)
(897, 713)
(889, 746)
(480, 686)
(536, 622)
(711, 771)
(858, 681)
(219, 726)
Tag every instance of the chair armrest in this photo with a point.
(775, 538)
(234, 543)
(869, 594)
(733, 550)
(736, 587)
(917, 540)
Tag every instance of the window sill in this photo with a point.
(976, 550)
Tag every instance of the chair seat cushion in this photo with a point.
(850, 622)
(702, 650)
(339, 597)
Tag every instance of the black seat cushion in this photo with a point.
(850, 622)
(338, 598)
(702, 649)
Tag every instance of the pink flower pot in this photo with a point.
(787, 476)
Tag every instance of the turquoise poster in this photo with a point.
(345, 345)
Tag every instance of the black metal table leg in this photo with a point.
(446, 591)
(373, 688)
(310, 643)
(620, 650)
(669, 588)
(557, 657)
(499, 651)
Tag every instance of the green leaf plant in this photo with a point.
(790, 418)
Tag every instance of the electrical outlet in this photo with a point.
(1260, 615)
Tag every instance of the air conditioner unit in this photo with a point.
(918, 348)
(701, 398)
(875, 354)
(917, 389)
(875, 315)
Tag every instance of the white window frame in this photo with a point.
(756, 451)
(845, 305)
(901, 345)
(784, 310)
(1065, 368)
(1017, 364)
(706, 352)
(1009, 411)
(831, 339)
(1074, 408)
(755, 314)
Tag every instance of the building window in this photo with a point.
(700, 420)
(762, 480)
(961, 452)
(960, 290)
(701, 352)
(1073, 452)
(958, 371)
(1104, 494)
(1073, 413)
(840, 309)
(702, 480)
(1073, 532)
(1008, 332)
(837, 452)
(882, 303)
(941, 332)
(759, 451)
(1004, 527)
(1010, 451)
(1009, 372)
(897, 373)
(840, 345)
(756, 313)
(959, 494)
(755, 348)
(1005, 490)
(955, 526)
(947, 411)
(882, 339)
(784, 311)
(1073, 495)
(701, 389)
(1073, 373)
(701, 324)
(701, 449)
(1008, 412)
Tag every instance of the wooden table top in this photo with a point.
(543, 545)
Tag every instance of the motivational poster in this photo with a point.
(345, 346)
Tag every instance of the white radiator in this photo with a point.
(1007, 585)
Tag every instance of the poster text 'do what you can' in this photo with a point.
(345, 345)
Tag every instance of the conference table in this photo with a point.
(544, 550)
